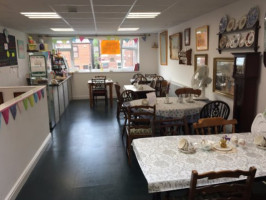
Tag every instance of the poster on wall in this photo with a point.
(21, 50)
(8, 52)
(110, 47)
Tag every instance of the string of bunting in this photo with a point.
(32, 99)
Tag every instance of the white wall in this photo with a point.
(21, 142)
(148, 64)
(182, 73)
(15, 75)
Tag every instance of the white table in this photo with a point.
(140, 88)
(175, 109)
(165, 168)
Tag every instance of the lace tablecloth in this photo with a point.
(174, 109)
(166, 168)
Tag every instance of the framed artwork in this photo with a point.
(163, 47)
(202, 38)
(223, 81)
(200, 60)
(175, 45)
(187, 36)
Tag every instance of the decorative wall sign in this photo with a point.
(8, 56)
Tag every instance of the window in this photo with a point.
(87, 54)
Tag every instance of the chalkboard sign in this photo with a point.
(8, 54)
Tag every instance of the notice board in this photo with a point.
(110, 47)
(8, 52)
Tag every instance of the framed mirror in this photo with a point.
(200, 60)
(175, 45)
(223, 81)
(163, 47)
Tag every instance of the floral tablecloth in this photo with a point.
(166, 168)
(174, 109)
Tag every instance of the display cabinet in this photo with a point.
(59, 63)
(246, 73)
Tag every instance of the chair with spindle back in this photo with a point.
(187, 92)
(101, 76)
(165, 86)
(140, 121)
(225, 191)
(212, 125)
(215, 109)
(171, 126)
(98, 88)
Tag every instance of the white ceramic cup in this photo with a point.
(183, 144)
(234, 140)
(260, 140)
(242, 142)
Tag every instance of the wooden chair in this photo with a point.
(1, 98)
(172, 126)
(103, 77)
(215, 109)
(140, 125)
(118, 94)
(140, 80)
(165, 86)
(158, 80)
(187, 92)
(137, 75)
(150, 75)
(227, 191)
(212, 125)
(98, 88)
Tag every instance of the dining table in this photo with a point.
(167, 168)
(140, 89)
(109, 84)
(175, 108)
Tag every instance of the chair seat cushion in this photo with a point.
(140, 131)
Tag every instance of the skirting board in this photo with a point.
(25, 174)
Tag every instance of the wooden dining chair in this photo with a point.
(213, 125)
(150, 75)
(172, 126)
(118, 94)
(141, 80)
(98, 88)
(215, 109)
(165, 87)
(158, 80)
(101, 76)
(187, 92)
(137, 75)
(139, 124)
(226, 191)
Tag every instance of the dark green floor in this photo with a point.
(86, 160)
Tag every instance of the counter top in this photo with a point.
(59, 82)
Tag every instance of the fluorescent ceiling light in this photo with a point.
(62, 29)
(40, 15)
(128, 29)
(143, 14)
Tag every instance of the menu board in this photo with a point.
(8, 52)
(37, 63)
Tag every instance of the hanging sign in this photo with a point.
(110, 47)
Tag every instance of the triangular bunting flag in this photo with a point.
(136, 40)
(13, 110)
(25, 102)
(144, 38)
(39, 94)
(5, 114)
(31, 100)
(81, 38)
(35, 97)
(20, 106)
(126, 40)
(42, 91)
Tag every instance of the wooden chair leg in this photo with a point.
(128, 147)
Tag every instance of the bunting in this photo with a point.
(31, 100)
(13, 110)
(35, 97)
(5, 114)
(25, 103)
(81, 38)
(136, 40)
(42, 91)
(39, 94)
(20, 106)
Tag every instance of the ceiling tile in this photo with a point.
(76, 15)
(111, 8)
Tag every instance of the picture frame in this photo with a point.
(187, 36)
(202, 38)
(223, 81)
(175, 45)
(163, 47)
(200, 60)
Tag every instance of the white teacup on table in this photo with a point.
(260, 140)
(234, 140)
(185, 147)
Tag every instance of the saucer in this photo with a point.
(188, 152)
(261, 147)
(218, 147)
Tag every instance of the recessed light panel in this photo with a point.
(143, 15)
(41, 15)
(128, 29)
(62, 29)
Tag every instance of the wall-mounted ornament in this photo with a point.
(185, 57)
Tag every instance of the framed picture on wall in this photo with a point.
(187, 36)
(202, 38)
(175, 45)
(163, 47)
(223, 81)
(200, 60)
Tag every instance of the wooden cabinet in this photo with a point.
(246, 72)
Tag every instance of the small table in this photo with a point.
(109, 83)
(141, 90)
(166, 168)
(148, 80)
(174, 109)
